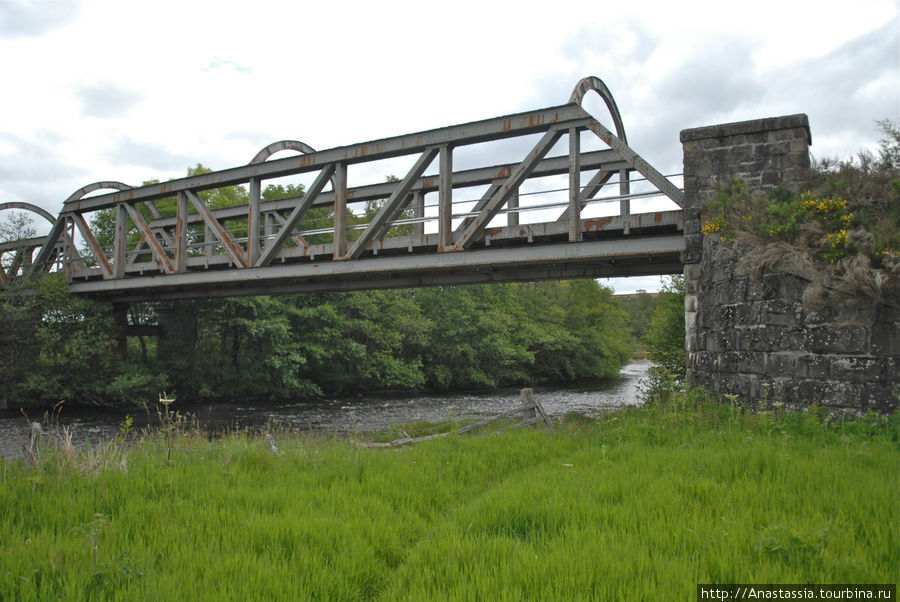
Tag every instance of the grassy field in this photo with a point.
(641, 504)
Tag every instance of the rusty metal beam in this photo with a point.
(340, 210)
(638, 163)
(498, 128)
(646, 255)
(604, 159)
(306, 201)
(474, 230)
(181, 232)
(574, 208)
(253, 219)
(93, 245)
(393, 206)
(162, 259)
(120, 240)
(232, 248)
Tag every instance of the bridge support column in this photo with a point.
(770, 337)
(177, 342)
(120, 315)
(764, 154)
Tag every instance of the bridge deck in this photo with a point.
(508, 254)
(166, 241)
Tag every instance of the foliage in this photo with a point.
(103, 222)
(639, 308)
(18, 225)
(507, 334)
(665, 334)
(820, 223)
(303, 345)
(63, 348)
(643, 501)
(850, 214)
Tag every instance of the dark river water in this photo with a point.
(342, 416)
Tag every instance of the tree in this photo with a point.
(665, 335)
(17, 226)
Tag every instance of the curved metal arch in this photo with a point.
(59, 225)
(79, 194)
(596, 84)
(29, 207)
(279, 146)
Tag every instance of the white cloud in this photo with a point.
(24, 18)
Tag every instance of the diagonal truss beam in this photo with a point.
(306, 201)
(94, 246)
(232, 248)
(589, 191)
(395, 203)
(607, 160)
(497, 128)
(298, 238)
(639, 164)
(49, 248)
(162, 260)
(482, 203)
(476, 228)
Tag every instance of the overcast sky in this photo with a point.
(128, 91)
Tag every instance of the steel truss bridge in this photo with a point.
(265, 247)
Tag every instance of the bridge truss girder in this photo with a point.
(168, 262)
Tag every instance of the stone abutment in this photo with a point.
(757, 335)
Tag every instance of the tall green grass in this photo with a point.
(640, 504)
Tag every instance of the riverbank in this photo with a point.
(639, 504)
(333, 415)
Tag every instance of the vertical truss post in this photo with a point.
(253, 222)
(181, 232)
(574, 185)
(27, 257)
(512, 218)
(624, 191)
(120, 241)
(209, 241)
(69, 251)
(445, 199)
(419, 213)
(340, 210)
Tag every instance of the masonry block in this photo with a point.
(755, 336)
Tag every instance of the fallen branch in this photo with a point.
(532, 410)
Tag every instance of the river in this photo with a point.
(91, 425)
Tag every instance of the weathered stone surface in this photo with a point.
(812, 366)
(831, 338)
(886, 338)
(854, 368)
(757, 338)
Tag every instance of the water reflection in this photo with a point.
(359, 414)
